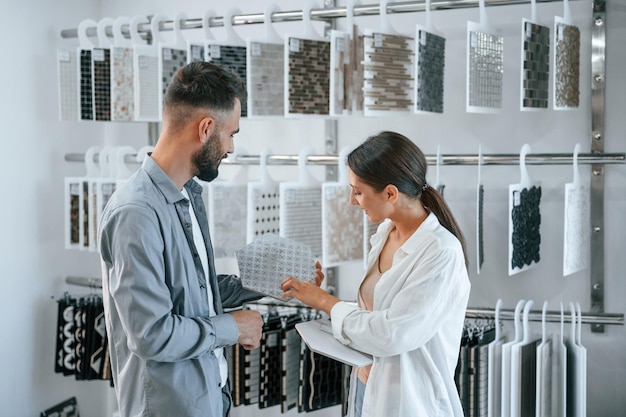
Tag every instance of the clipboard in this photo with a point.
(318, 336)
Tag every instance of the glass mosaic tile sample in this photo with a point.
(430, 62)
(339, 69)
(271, 372)
(171, 61)
(301, 215)
(122, 84)
(342, 226)
(535, 65)
(388, 79)
(227, 207)
(355, 76)
(566, 65)
(480, 251)
(266, 262)
(576, 231)
(146, 87)
(308, 76)
(195, 53)
(67, 71)
(485, 70)
(266, 79)
(263, 210)
(102, 83)
(86, 85)
(232, 57)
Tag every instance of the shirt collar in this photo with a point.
(429, 224)
(165, 184)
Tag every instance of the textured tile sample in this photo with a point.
(339, 69)
(196, 53)
(263, 210)
(227, 207)
(342, 226)
(526, 222)
(67, 68)
(86, 85)
(430, 64)
(266, 262)
(567, 66)
(535, 65)
(308, 76)
(266, 73)
(101, 58)
(232, 57)
(122, 84)
(485, 68)
(301, 215)
(147, 88)
(576, 233)
(388, 73)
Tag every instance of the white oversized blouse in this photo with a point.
(414, 331)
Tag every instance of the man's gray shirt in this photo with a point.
(161, 337)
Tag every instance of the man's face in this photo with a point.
(218, 146)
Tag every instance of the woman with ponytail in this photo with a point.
(413, 297)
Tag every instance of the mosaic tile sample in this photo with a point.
(86, 85)
(271, 372)
(480, 251)
(171, 61)
(485, 69)
(535, 65)
(576, 232)
(227, 217)
(232, 57)
(147, 88)
(196, 53)
(355, 77)
(567, 66)
(266, 262)
(266, 72)
(301, 215)
(342, 226)
(308, 76)
(526, 222)
(388, 72)
(122, 84)
(263, 210)
(430, 64)
(67, 68)
(102, 83)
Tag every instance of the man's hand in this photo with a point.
(250, 326)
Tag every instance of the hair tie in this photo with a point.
(425, 186)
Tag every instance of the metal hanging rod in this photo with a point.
(448, 159)
(551, 316)
(316, 14)
(84, 282)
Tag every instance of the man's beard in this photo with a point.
(208, 158)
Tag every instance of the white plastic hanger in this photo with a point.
(342, 166)
(179, 39)
(506, 361)
(385, 24)
(92, 168)
(306, 178)
(119, 39)
(143, 152)
(309, 30)
(525, 178)
(271, 36)
(122, 170)
(104, 41)
(83, 39)
(232, 38)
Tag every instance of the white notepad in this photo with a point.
(318, 336)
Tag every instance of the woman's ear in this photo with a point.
(392, 193)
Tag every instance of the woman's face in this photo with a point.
(373, 203)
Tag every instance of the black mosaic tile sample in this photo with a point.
(102, 83)
(536, 65)
(232, 57)
(86, 92)
(430, 69)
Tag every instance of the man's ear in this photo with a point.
(205, 128)
(392, 193)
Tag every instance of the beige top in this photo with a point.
(366, 301)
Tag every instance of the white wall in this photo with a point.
(35, 263)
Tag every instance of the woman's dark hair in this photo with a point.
(203, 85)
(391, 158)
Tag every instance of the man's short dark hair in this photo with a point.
(203, 86)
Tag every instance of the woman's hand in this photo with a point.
(319, 275)
(309, 293)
